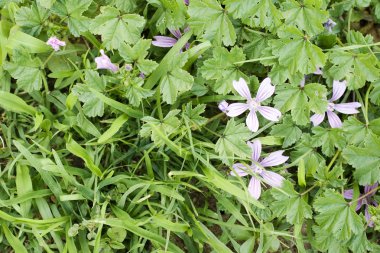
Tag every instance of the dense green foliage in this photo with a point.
(137, 157)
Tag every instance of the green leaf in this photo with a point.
(116, 28)
(336, 216)
(220, 31)
(117, 234)
(14, 242)
(222, 70)
(172, 15)
(126, 6)
(375, 93)
(290, 203)
(114, 128)
(355, 130)
(287, 130)
(328, 139)
(366, 160)
(13, 103)
(74, 148)
(137, 54)
(307, 15)
(356, 68)
(135, 92)
(20, 39)
(32, 19)
(26, 70)
(233, 142)
(193, 115)
(71, 11)
(92, 105)
(295, 51)
(174, 83)
(255, 13)
(168, 126)
(300, 100)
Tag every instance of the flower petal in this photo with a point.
(239, 169)
(252, 121)
(242, 88)
(104, 62)
(317, 119)
(236, 109)
(254, 188)
(334, 120)
(265, 90)
(272, 178)
(338, 89)
(177, 33)
(318, 71)
(302, 82)
(269, 113)
(369, 188)
(347, 108)
(274, 159)
(164, 41)
(256, 149)
(348, 194)
(223, 106)
(368, 217)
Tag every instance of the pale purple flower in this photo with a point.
(366, 201)
(186, 2)
(346, 108)
(329, 25)
(253, 104)
(166, 41)
(142, 75)
(55, 43)
(128, 67)
(104, 62)
(318, 71)
(257, 168)
(223, 106)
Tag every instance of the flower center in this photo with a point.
(256, 169)
(330, 107)
(253, 105)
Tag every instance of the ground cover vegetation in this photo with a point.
(189, 126)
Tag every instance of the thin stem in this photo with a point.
(365, 111)
(366, 101)
(311, 188)
(364, 195)
(331, 162)
(158, 102)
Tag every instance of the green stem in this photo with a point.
(365, 110)
(365, 195)
(311, 188)
(331, 162)
(366, 102)
(158, 102)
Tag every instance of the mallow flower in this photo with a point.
(55, 43)
(329, 25)
(346, 108)
(166, 41)
(253, 104)
(104, 62)
(257, 168)
(223, 106)
(369, 191)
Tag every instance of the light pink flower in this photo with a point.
(223, 106)
(346, 108)
(368, 200)
(253, 104)
(55, 43)
(104, 62)
(166, 41)
(257, 168)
